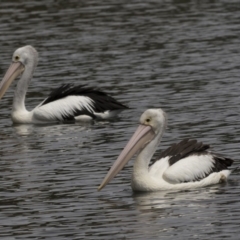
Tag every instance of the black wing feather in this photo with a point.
(183, 149)
(187, 148)
(102, 101)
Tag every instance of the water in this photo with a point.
(182, 56)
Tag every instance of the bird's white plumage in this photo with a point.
(107, 114)
(198, 169)
(55, 111)
(188, 169)
(162, 176)
(83, 104)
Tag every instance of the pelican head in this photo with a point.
(24, 59)
(152, 125)
(155, 118)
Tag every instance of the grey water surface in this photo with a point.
(182, 56)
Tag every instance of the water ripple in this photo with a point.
(179, 55)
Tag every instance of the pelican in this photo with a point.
(66, 103)
(185, 165)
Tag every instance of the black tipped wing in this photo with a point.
(68, 102)
(184, 169)
(221, 163)
(103, 101)
(183, 149)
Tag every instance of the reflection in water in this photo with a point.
(171, 199)
(164, 212)
(49, 129)
(175, 209)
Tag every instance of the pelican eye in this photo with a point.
(148, 120)
(17, 58)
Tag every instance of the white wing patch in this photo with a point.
(159, 167)
(189, 169)
(55, 111)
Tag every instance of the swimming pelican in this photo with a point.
(185, 165)
(66, 103)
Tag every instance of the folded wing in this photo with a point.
(191, 161)
(68, 102)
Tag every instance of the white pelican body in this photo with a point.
(185, 165)
(66, 103)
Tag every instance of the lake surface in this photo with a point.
(182, 56)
